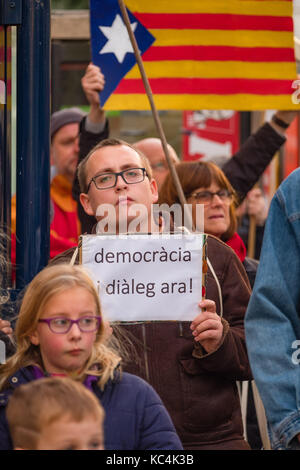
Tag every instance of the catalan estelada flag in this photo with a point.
(214, 54)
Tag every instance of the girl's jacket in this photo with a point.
(135, 418)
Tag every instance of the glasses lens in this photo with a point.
(59, 325)
(88, 323)
(134, 175)
(224, 194)
(204, 197)
(106, 180)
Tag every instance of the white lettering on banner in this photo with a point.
(143, 277)
(135, 218)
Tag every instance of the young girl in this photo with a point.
(60, 332)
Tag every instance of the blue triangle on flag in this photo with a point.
(111, 48)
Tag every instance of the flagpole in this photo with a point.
(154, 111)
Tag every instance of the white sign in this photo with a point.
(146, 277)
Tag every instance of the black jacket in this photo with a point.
(248, 164)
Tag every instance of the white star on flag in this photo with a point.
(118, 39)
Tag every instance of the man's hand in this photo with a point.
(5, 327)
(92, 83)
(207, 327)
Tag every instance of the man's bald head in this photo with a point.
(152, 148)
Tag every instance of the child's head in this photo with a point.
(55, 414)
(60, 326)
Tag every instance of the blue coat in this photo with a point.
(135, 418)
(272, 319)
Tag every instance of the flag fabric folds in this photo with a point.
(214, 54)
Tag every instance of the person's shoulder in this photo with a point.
(128, 379)
(214, 244)
(286, 194)
(224, 259)
(137, 386)
(291, 180)
(20, 377)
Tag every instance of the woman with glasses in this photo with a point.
(60, 332)
(205, 183)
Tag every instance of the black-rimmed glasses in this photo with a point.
(206, 197)
(62, 325)
(109, 180)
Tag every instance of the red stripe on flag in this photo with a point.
(214, 21)
(203, 86)
(249, 54)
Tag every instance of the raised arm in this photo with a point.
(93, 128)
(246, 166)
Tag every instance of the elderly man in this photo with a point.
(152, 148)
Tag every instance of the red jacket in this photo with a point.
(65, 226)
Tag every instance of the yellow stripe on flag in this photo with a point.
(240, 38)
(242, 102)
(216, 69)
(234, 7)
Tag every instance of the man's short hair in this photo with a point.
(81, 170)
(37, 404)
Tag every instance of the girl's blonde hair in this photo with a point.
(50, 281)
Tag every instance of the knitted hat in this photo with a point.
(63, 117)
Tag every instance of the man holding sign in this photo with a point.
(194, 365)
